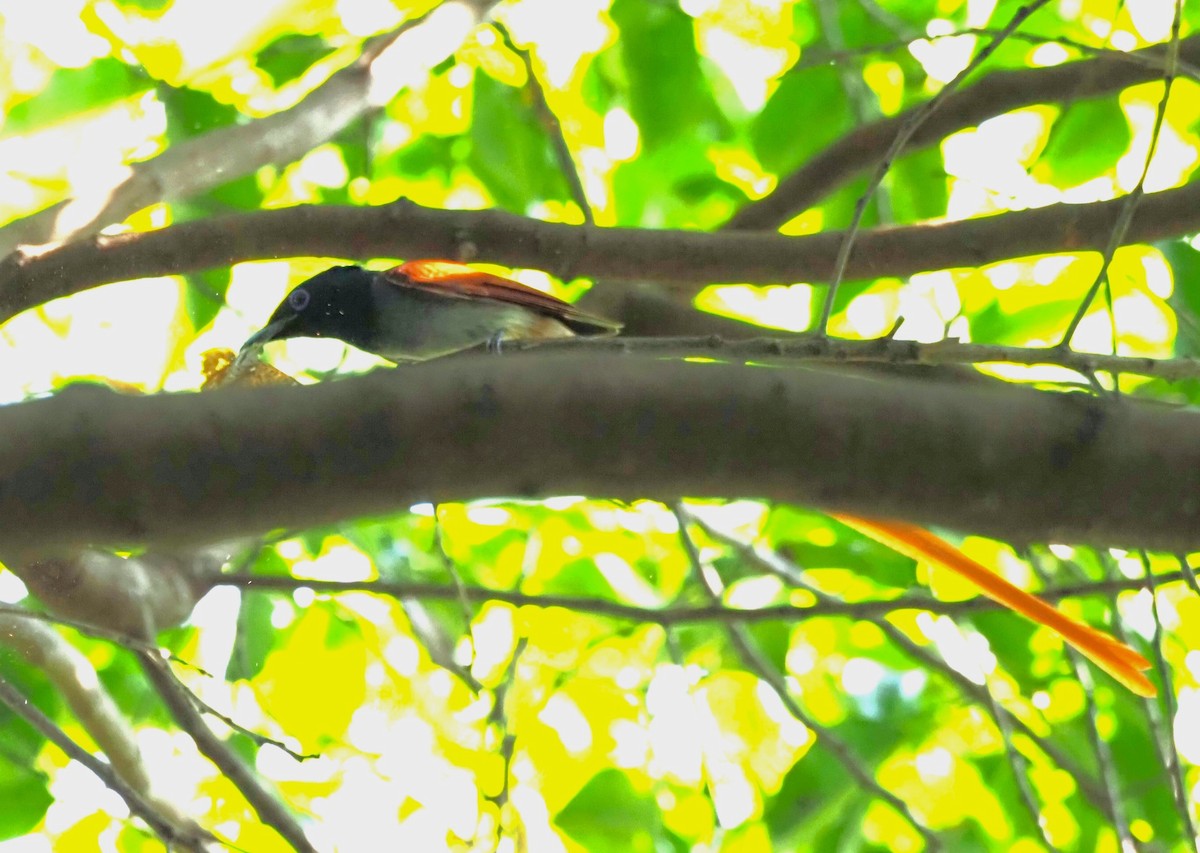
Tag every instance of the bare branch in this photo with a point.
(887, 352)
(388, 63)
(76, 681)
(1006, 722)
(265, 803)
(135, 596)
(552, 126)
(904, 135)
(1163, 719)
(138, 805)
(1005, 461)
(1134, 198)
(689, 260)
(997, 93)
(684, 615)
(756, 662)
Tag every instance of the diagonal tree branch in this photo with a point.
(773, 562)
(187, 838)
(997, 93)
(755, 661)
(886, 352)
(388, 63)
(75, 679)
(266, 804)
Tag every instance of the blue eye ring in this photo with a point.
(298, 299)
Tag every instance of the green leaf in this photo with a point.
(510, 152)
(256, 637)
(1086, 142)
(1185, 295)
(806, 112)
(291, 55)
(917, 186)
(1045, 321)
(24, 793)
(204, 296)
(662, 188)
(1009, 637)
(816, 801)
(146, 5)
(668, 94)
(580, 577)
(772, 639)
(72, 91)
(609, 814)
(425, 155)
(191, 112)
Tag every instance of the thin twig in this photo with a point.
(1104, 761)
(127, 641)
(552, 126)
(810, 347)
(1134, 198)
(741, 640)
(861, 100)
(266, 804)
(1143, 58)
(500, 717)
(256, 737)
(995, 94)
(902, 139)
(1019, 767)
(217, 157)
(1164, 721)
(1189, 574)
(687, 614)
(776, 564)
(439, 545)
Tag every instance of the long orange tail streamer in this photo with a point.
(1108, 653)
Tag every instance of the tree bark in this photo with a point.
(93, 467)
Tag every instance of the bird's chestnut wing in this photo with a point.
(447, 278)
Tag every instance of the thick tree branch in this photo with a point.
(91, 466)
(387, 64)
(689, 260)
(997, 93)
(136, 596)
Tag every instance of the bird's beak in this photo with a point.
(274, 330)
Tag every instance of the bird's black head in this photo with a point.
(334, 304)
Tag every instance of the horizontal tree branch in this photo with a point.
(886, 352)
(874, 609)
(689, 260)
(94, 467)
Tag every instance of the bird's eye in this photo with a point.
(298, 299)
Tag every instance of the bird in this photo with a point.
(1107, 652)
(422, 309)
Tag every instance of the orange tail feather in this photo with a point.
(1108, 653)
